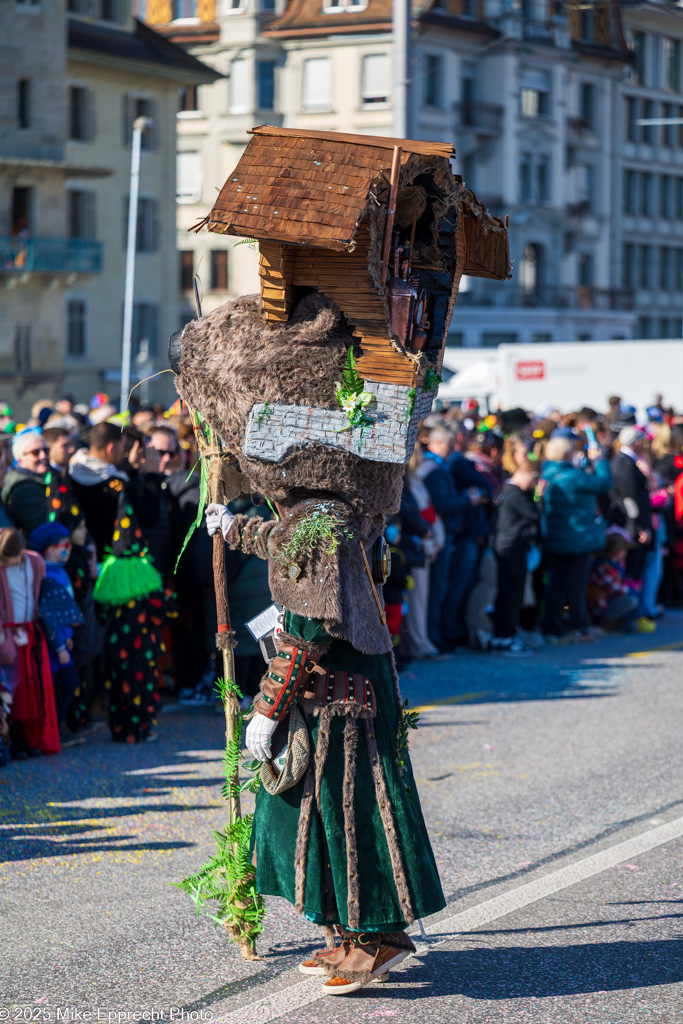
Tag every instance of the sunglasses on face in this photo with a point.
(38, 453)
(161, 452)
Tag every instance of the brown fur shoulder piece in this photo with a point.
(232, 359)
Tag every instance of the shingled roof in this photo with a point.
(307, 188)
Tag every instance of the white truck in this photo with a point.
(566, 375)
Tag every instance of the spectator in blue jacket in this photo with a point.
(575, 530)
(450, 505)
(474, 525)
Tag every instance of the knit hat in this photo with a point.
(45, 535)
(629, 436)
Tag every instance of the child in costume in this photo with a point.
(23, 650)
(60, 616)
(134, 607)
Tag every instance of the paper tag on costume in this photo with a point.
(20, 637)
(266, 622)
(279, 761)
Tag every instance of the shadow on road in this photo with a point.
(536, 972)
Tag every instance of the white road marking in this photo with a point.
(303, 993)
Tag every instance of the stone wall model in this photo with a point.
(273, 431)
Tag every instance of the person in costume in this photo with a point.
(346, 844)
(23, 650)
(60, 616)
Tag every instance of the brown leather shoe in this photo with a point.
(327, 960)
(370, 958)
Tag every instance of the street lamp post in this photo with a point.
(140, 125)
(401, 37)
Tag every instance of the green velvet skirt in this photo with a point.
(276, 821)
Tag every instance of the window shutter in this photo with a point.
(239, 87)
(90, 224)
(375, 83)
(127, 120)
(189, 177)
(154, 225)
(90, 127)
(317, 84)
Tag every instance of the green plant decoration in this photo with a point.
(412, 394)
(320, 524)
(229, 878)
(352, 396)
(431, 381)
(407, 720)
(265, 414)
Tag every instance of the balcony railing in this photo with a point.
(486, 118)
(50, 256)
(550, 297)
(540, 31)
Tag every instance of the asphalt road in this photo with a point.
(553, 791)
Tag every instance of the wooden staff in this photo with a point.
(225, 639)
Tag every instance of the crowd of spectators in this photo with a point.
(515, 530)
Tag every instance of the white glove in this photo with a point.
(218, 517)
(257, 740)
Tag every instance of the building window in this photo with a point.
(665, 268)
(644, 266)
(531, 269)
(645, 205)
(140, 106)
(267, 6)
(147, 235)
(668, 129)
(185, 9)
(186, 270)
(543, 179)
(113, 10)
(22, 348)
(629, 198)
(187, 99)
(22, 210)
(76, 328)
(334, 6)
(637, 46)
(672, 64)
(81, 211)
(585, 269)
(85, 7)
(145, 327)
(491, 339)
(525, 187)
(586, 192)
(433, 69)
(678, 270)
(375, 85)
(219, 270)
(234, 6)
(649, 112)
(317, 84)
(27, 3)
(188, 177)
(628, 265)
(678, 199)
(240, 87)
(630, 118)
(24, 103)
(665, 193)
(81, 126)
(587, 103)
(535, 93)
(265, 84)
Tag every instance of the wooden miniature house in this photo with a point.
(317, 203)
(384, 229)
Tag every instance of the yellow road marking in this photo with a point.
(677, 645)
(460, 699)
